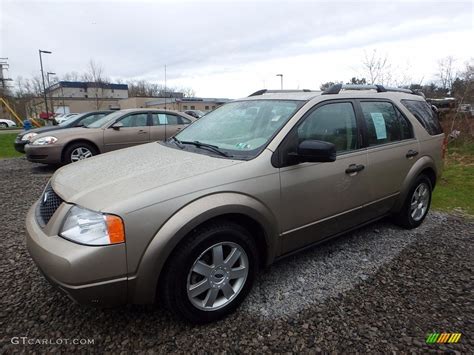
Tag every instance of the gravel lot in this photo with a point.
(379, 289)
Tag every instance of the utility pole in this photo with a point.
(3, 66)
(165, 86)
(281, 80)
(42, 77)
(49, 86)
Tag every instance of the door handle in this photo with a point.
(354, 169)
(411, 153)
(141, 131)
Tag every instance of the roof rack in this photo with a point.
(336, 88)
(265, 91)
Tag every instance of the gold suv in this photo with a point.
(189, 221)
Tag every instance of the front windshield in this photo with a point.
(107, 118)
(242, 128)
(69, 119)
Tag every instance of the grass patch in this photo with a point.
(455, 191)
(6, 146)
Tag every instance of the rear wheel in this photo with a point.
(3, 125)
(79, 151)
(416, 205)
(208, 276)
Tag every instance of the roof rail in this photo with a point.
(265, 91)
(336, 88)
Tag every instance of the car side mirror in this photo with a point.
(117, 125)
(316, 152)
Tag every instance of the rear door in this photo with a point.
(166, 125)
(392, 150)
(135, 130)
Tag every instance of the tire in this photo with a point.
(3, 125)
(177, 286)
(78, 151)
(412, 216)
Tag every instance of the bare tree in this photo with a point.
(188, 92)
(95, 76)
(71, 76)
(376, 68)
(446, 72)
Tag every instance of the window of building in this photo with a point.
(213, 107)
(193, 107)
(206, 108)
(185, 107)
(384, 123)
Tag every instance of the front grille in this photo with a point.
(48, 204)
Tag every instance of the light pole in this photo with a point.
(49, 85)
(42, 77)
(281, 80)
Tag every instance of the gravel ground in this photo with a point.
(380, 289)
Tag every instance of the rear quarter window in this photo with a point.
(425, 115)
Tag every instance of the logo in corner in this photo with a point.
(443, 338)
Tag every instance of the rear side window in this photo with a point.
(385, 124)
(425, 115)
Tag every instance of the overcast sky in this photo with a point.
(232, 48)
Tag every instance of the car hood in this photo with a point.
(67, 131)
(107, 180)
(41, 130)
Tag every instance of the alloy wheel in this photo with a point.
(217, 276)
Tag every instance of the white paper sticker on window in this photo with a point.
(162, 118)
(379, 124)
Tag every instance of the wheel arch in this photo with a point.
(424, 165)
(236, 207)
(80, 140)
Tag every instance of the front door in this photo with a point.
(322, 199)
(134, 130)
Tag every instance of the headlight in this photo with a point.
(92, 228)
(45, 140)
(28, 136)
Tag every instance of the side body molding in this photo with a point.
(143, 285)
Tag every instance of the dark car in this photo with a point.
(82, 119)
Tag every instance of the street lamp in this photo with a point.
(50, 95)
(281, 80)
(42, 77)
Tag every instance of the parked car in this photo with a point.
(190, 221)
(117, 130)
(64, 117)
(4, 123)
(79, 120)
(194, 113)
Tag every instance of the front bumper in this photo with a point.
(46, 154)
(87, 274)
(20, 145)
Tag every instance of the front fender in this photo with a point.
(142, 286)
(425, 162)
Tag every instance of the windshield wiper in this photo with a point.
(177, 142)
(214, 148)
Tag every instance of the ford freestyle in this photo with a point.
(188, 222)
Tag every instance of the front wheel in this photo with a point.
(3, 125)
(79, 151)
(416, 205)
(208, 276)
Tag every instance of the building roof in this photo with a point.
(162, 100)
(85, 85)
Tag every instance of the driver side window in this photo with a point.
(135, 120)
(334, 123)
